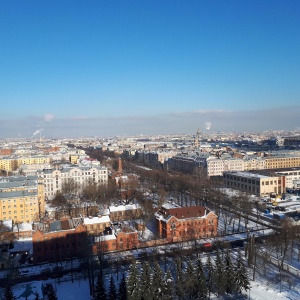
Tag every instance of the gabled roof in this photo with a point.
(180, 213)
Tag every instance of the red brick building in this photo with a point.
(59, 240)
(122, 238)
(184, 223)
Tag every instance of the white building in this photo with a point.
(217, 166)
(292, 177)
(54, 178)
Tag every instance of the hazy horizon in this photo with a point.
(71, 68)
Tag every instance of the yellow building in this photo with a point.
(74, 159)
(12, 164)
(21, 198)
(282, 162)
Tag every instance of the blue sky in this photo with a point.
(140, 67)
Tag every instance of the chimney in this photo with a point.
(120, 166)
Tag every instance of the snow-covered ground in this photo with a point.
(261, 289)
(264, 287)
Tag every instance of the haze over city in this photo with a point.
(98, 68)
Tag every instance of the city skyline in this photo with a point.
(127, 68)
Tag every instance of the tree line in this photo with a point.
(182, 280)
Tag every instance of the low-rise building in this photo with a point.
(121, 238)
(185, 223)
(97, 225)
(124, 212)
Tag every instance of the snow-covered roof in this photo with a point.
(123, 207)
(169, 205)
(248, 175)
(95, 220)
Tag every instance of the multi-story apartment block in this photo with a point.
(11, 164)
(216, 166)
(254, 163)
(280, 162)
(30, 170)
(21, 198)
(260, 183)
(55, 178)
(188, 163)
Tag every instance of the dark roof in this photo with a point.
(65, 224)
(55, 226)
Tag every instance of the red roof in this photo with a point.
(188, 212)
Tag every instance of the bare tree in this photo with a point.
(59, 199)
(69, 187)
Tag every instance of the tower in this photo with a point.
(196, 138)
(120, 170)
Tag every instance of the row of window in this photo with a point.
(15, 211)
(8, 201)
(270, 182)
(74, 174)
(21, 205)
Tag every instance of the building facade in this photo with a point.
(260, 183)
(124, 212)
(55, 178)
(21, 198)
(12, 164)
(280, 162)
(60, 240)
(185, 223)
